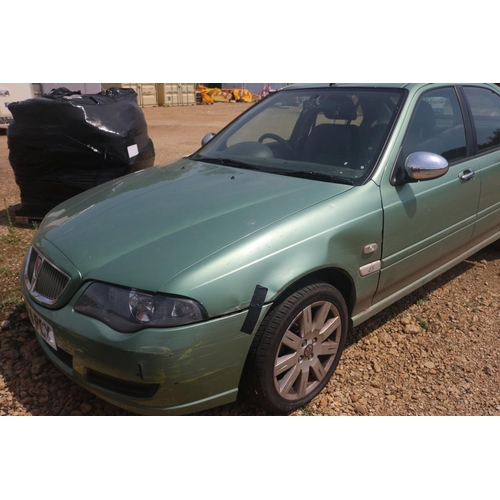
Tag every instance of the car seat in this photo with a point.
(331, 143)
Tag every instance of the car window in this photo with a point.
(329, 134)
(281, 123)
(485, 107)
(437, 126)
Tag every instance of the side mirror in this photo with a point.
(422, 166)
(207, 138)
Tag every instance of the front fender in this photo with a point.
(331, 234)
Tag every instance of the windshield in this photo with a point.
(330, 134)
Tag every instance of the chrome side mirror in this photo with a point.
(422, 166)
(207, 138)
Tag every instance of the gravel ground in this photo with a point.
(436, 352)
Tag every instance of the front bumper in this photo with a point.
(155, 371)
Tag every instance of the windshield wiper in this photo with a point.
(309, 174)
(305, 174)
(228, 162)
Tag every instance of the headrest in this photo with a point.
(339, 107)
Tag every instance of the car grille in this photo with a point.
(63, 356)
(45, 282)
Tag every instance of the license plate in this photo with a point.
(42, 327)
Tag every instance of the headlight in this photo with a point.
(128, 310)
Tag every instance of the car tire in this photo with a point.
(297, 348)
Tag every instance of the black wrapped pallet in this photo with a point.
(66, 142)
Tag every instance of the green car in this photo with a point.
(242, 267)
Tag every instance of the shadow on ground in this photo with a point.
(41, 389)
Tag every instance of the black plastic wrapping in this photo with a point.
(66, 142)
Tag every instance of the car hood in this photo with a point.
(143, 229)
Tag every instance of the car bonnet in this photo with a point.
(143, 229)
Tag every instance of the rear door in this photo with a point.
(484, 105)
(428, 223)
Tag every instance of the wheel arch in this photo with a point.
(336, 277)
(255, 381)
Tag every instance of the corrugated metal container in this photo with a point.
(149, 94)
(176, 94)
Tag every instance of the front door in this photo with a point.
(428, 223)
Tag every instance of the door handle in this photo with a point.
(467, 175)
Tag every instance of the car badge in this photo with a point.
(36, 271)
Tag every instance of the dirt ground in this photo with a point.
(436, 352)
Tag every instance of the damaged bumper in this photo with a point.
(155, 371)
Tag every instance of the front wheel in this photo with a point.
(297, 348)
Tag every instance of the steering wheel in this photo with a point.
(279, 139)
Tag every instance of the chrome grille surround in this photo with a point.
(45, 281)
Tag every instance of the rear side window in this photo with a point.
(485, 107)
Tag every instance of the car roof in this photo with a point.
(372, 85)
(409, 86)
(368, 85)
